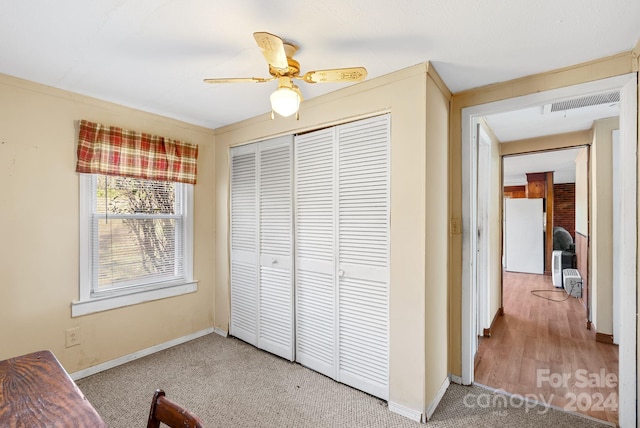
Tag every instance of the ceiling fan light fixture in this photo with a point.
(279, 55)
(285, 101)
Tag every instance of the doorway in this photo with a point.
(543, 325)
(627, 241)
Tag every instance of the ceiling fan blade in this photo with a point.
(272, 48)
(239, 80)
(353, 74)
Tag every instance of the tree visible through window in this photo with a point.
(137, 229)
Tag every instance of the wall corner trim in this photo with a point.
(455, 379)
(412, 414)
(138, 354)
(487, 331)
(436, 400)
(604, 338)
(220, 332)
(431, 72)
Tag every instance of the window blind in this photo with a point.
(136, 233)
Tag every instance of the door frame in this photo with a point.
(485, 229)
(617, 236)
(628, 85)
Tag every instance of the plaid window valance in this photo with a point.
(114, 151)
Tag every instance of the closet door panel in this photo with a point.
(363, 335)
(244, 245)
(276, 247)
(363, 241)
(315, 251)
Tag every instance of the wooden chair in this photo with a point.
(171, 414)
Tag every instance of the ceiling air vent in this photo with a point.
(591, 100)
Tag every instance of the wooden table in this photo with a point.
(36, 391)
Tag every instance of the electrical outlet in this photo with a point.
(72, 337)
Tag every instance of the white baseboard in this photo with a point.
(455, 379)
(220, 332)
(412, 414)
(436, 400)
(139, 354)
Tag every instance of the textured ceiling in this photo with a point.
(153, 54)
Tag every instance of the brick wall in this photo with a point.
(564, 207)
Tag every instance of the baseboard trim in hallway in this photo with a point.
(487, 331)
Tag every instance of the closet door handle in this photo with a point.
(340, 272)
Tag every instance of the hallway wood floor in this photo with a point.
(542, 348)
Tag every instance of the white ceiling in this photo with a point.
(153, 54)
(561, 162)
(534, 122)
(537, 122)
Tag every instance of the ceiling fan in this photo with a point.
(279, 55)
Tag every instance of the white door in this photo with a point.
(342, 249)
(315, 251)
(342, 253)
(262, 246)
(244, 245)
(524, 235)
(363, 255)
(484, 227)
(276, 247)
(617, 218)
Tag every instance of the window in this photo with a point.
(135, 241)
(136, 233)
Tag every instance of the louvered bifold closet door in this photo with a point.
(363, 242)
(315, 251)
(276, 247)
(244, 245)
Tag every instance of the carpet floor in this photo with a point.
(229, 383)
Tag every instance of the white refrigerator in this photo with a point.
(524, 235)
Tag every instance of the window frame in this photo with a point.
(119, 297)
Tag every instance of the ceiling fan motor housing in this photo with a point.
(293, 68)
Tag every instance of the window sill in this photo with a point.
(91, 306)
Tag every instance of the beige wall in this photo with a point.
(418, 298)
(39, 229)
(437, 219)
(595, 70)
(601, 233)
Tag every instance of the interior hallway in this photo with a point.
(542, 348)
